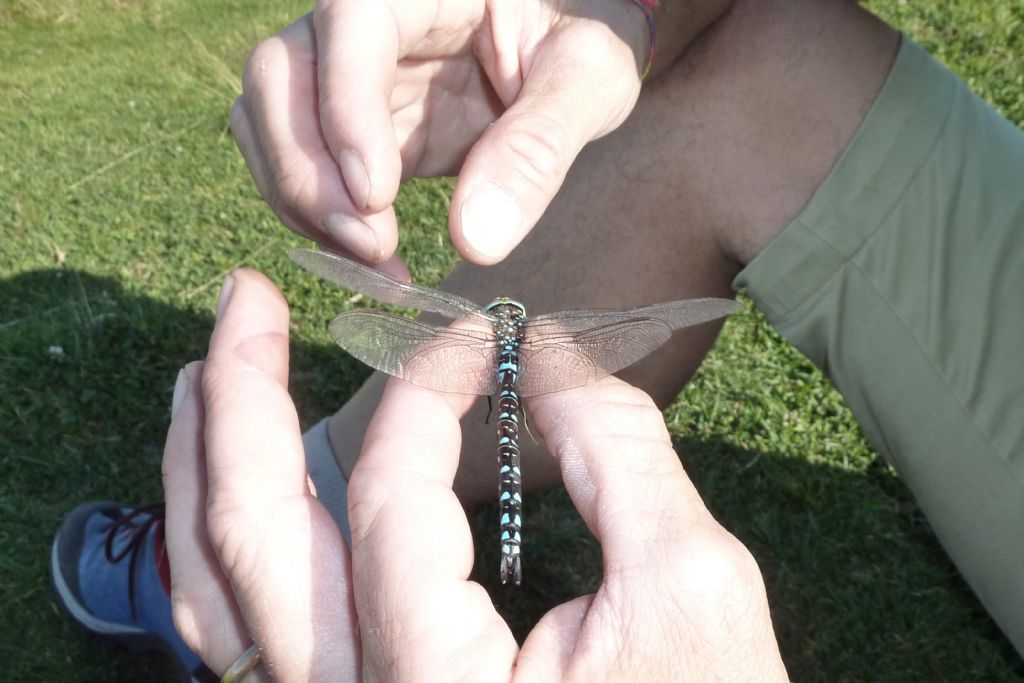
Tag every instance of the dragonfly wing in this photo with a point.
(574, 348)
(675, 314)
(457, 360)
(556, 361)
(383, 288)
(687, 312)
(547, 369)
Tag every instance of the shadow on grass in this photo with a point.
(86, 374)
(858, 586)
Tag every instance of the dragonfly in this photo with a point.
(496, 350)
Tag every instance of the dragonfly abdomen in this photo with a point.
(508, 330)
(510, 483)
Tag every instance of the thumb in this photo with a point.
(580, 86)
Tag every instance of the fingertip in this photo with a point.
(254, 278)
(396, 268)
(370, 238)
(225, 294)
(615, 452)
(444, 409)
(509, 178)
(547, 653)
(189, 377)
(353, 235)
(241, 285)
(181, 389)
(435, 428)
(252, 328)
(488, 224)
(181, 447)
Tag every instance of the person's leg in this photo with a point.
(720, 154)
(901, 279)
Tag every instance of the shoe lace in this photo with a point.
(128, 526)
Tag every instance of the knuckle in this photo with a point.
(234, 540)
(539, 146)
(367, 499)
(294, 185)
(219, 382)
(231, 380)
(603, 52)
(257, 65)
(628, 410)
(720, 569)
(594, 39)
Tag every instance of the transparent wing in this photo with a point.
(557, 362)
(574, 348)
(457, 360)
(384, 288)
(675, 314)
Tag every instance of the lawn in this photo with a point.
(123, 203)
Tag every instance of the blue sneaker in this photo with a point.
(110, 571)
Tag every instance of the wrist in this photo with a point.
(648, 8)
(675, 26)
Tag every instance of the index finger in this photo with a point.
(620, 469)
(412, 550)
(357, 47)
(279, 548)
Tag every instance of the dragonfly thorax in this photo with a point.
(509, 318)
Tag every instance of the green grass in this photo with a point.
(123, 202)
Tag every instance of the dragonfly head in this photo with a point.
(501, 302)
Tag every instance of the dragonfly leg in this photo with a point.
(526, 426)
(490, 409)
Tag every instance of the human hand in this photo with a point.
(342, 104)
(254, 556)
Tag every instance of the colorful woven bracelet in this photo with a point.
(648, 7)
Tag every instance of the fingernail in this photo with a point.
(353, 170)
(491, 220)
(225, 294)
(354, 235)
(181, 387)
